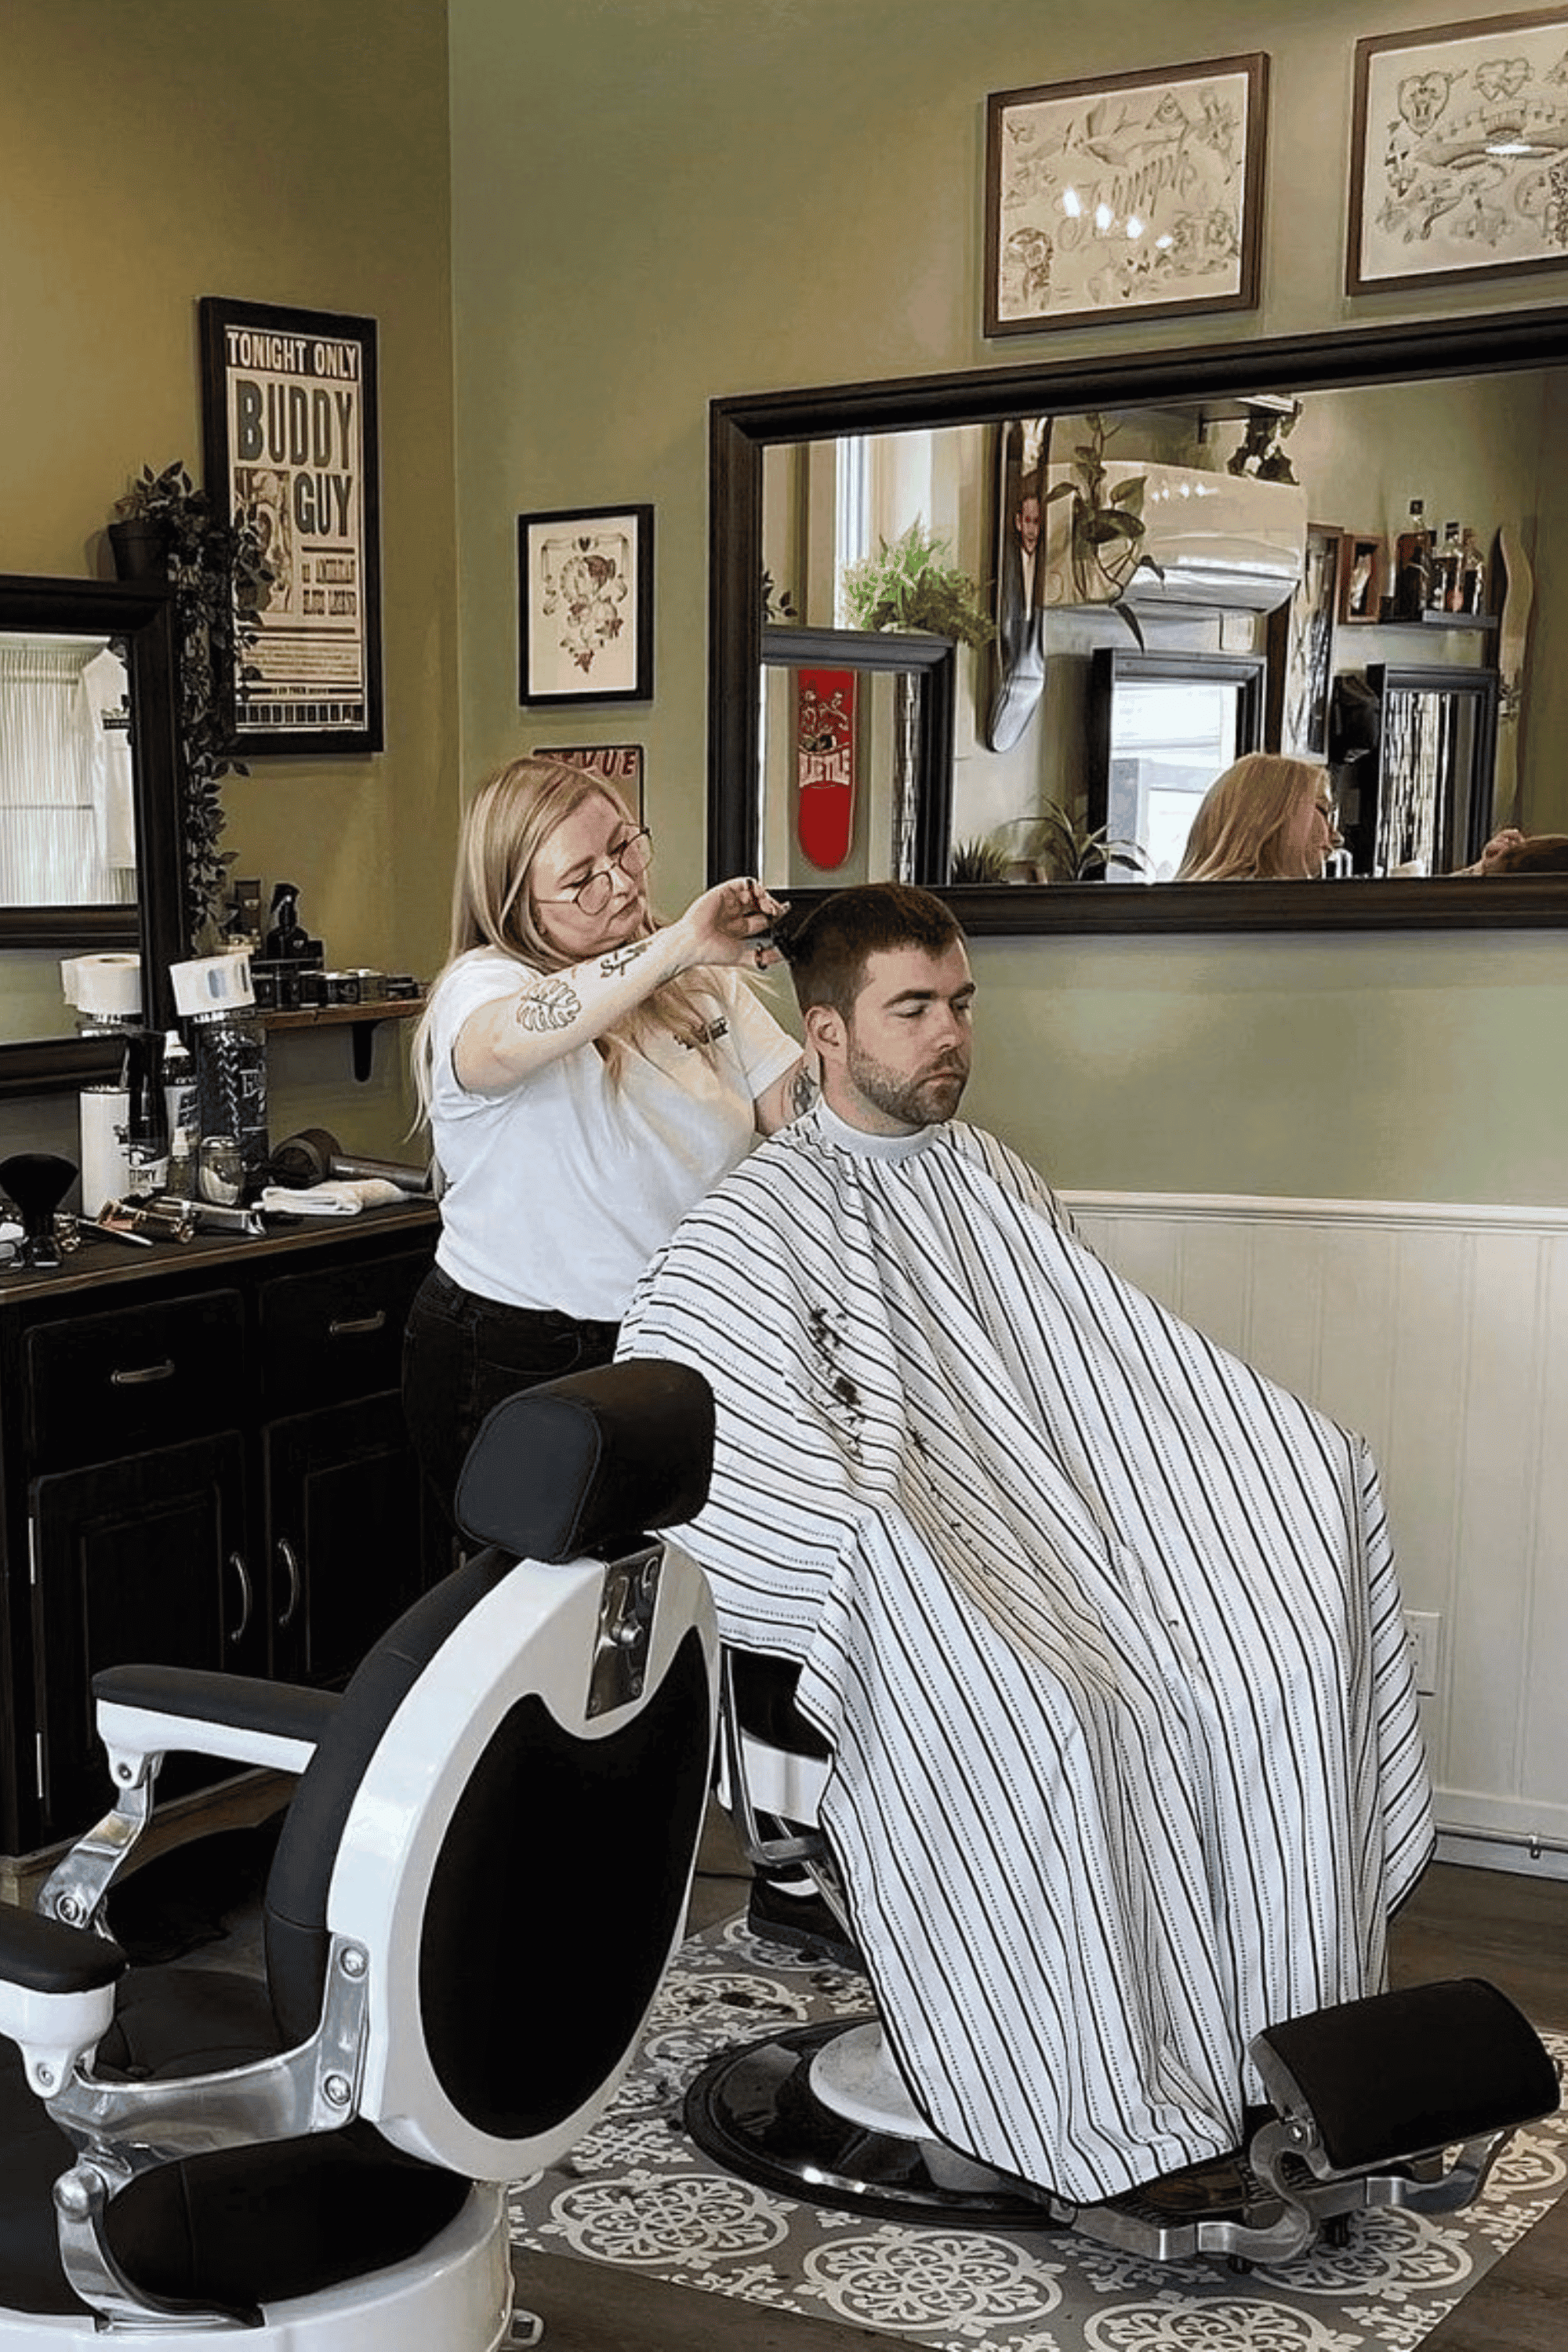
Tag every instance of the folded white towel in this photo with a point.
(340, 1197)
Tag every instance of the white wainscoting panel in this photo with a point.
(1441, 1333)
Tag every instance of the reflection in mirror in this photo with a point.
(67, 818)
(1162, 728)
(1267, 528)
(89, 856)
(857, 748)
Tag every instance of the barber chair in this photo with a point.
(1406, 2098)
(480, 1877)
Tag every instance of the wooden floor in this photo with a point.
(1459, 1923)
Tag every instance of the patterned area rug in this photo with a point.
(638, 2195)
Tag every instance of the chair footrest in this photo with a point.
(1404, 2072)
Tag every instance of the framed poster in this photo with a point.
(825, 764)
(1459, 143)
(1127, 193)
(290, 440)
(620, 765)
(585, 604)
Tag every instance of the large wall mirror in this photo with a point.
(89, 837)
(1274, 611)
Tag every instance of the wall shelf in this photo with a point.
(363, 1019)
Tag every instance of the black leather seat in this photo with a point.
(449, 1993)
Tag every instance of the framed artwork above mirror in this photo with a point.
(1469, 380)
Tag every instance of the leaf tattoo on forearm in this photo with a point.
(618, 960)
(547, 1005)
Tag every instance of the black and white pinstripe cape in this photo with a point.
(1102, 1626)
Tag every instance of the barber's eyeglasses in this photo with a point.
(591, 895)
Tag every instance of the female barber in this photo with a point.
(1266, 819)
(587, 1073)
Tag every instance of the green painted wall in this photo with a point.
(295, 153)
(657, 201)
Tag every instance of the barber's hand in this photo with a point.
(1508, 838)
(733, 923)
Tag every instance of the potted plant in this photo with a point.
(1105, 526)
(910, 586)
(1058, 846)
(217, 571)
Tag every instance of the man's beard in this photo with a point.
(915, 1101)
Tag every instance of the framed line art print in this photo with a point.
(585, 604)
(620, 765)
(1459, 153)
(1126, 194)
(289, 438)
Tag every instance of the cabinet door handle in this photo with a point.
(142, 1374)
(237, 1564)
(287, 1555)
(351, 1326)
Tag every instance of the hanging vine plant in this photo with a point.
(218, 572)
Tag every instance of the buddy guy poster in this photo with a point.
(290, 440)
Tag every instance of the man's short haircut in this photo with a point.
(827, 954)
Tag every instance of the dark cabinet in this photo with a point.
(203, 1462)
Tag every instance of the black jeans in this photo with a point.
(462, 1354)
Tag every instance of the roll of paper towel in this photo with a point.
(110, 984)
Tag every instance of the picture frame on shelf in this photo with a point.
(1454, 133)
(1134, 193)
(585, 604)
(1300, 649)
(620, 765)
(291, 438)
(1363, 561)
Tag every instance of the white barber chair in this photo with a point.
(479, 1879)
(1403, 2099)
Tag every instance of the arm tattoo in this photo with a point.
(802, 1092)
(619, 958)
(547, 1005)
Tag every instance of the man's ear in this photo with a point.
(825, 1032)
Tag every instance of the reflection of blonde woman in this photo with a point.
(1266, 819)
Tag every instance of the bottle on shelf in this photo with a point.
(1415, 578)
(1443, 588)
(1472, 575)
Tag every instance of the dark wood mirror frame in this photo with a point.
(140, 617)
(742, 428)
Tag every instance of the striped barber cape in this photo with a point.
(1102, 1627)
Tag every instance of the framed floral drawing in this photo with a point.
(585, 604)
(1125, 194)
(1459, 153)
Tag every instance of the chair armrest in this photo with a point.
(146, 1711)
(57, 1994)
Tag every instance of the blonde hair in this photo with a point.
(1238, 834)
(506, 825)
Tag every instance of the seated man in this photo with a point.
(1102, 1627)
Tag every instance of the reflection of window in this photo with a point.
(1164, 726)
(67, 825)
(1168, 743)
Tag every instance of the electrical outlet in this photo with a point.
(1424, 1633)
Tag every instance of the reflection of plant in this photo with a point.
(977, 861)
(778, 604)
(1061, 849)
(218, 573)
(908, 586)
(1105, 527)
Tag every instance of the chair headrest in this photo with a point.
(582, 1463)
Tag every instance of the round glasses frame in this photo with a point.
(591, 895)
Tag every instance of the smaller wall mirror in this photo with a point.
(89, 833)
(855, 773)
(1161, 727)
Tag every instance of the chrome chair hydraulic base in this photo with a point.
(1369, 2103)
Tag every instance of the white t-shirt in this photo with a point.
(559, 1189)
